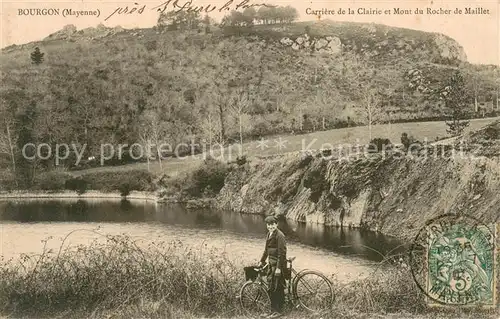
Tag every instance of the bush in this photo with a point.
(7, 181)
(408, 140)
(241, 160)
(52, 181)
(123, 181)
(380, 144)
(206, 181)
(77, 184)
(211, 173)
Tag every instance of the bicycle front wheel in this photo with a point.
(254, 298)
(313, 291)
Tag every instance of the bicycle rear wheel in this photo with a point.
(254, 298)
(313, 291)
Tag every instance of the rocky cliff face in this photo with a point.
(392, 195)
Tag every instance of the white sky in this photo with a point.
(478, 34)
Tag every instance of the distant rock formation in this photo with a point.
(449, 48)
(65, 33)
(69, 32)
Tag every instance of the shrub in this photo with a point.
(7, 181)
(123, 181)
(380, 144)
(78, 184)
(125, 189)
(211, 173)
(205, 181)
(241, 160)
(52, 181)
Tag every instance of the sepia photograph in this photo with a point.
(250, 159)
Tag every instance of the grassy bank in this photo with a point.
(73, 194)
(294, 143)
(118, 278)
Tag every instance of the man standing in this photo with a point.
(275, 254)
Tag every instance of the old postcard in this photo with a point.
(249, 159)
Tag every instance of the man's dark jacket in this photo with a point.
(275, 249)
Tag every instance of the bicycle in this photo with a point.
(299, 290)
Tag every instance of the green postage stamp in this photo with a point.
(461, 262)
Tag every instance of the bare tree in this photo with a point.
(371, 104)
(365, 82)
(239, 105)
(152, 132)
(475, 91)
(208, 124)
(7, 143)
(498, 90)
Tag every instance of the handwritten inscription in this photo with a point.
(188, 6)
(136, 9)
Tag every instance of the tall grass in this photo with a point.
(115, 275)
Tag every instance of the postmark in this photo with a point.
(453, 261)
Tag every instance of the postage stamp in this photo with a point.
(457, 256)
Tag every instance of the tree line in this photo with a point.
(192, 20)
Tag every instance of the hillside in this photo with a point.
(112, 85)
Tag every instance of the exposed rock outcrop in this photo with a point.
(449, 48)
(331, 45)
(69, 32)
(65, 33)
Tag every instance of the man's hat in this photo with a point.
(271, 220)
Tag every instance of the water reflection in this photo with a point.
(344, 241)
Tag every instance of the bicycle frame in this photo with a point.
(289, 295)
(292, 295)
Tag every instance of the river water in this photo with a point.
(25, 224)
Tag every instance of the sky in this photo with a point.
(478, 33)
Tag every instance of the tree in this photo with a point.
(371, 105)
(37, 56)
(208, 121)
(289, 14)
(179, 20)
(474, 80)
(365, 86)
(456, 97)
(240, 19)
(151, 133)
(8, 143)
(239, 104)
(26, 134)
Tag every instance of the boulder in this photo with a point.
(321, 43)
(286, 41)
(335, 46)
